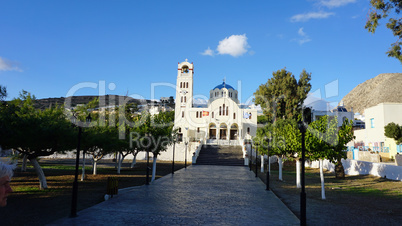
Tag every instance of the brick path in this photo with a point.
(198, 195)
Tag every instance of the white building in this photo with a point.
(340, 112)
(223, 120)
(376, 118)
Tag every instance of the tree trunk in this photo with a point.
(94, 167)
(322, 179)
(121, 159)
(262, 163)
(83, 166)
(154, 168)
(39, 172)
(24, 163)
(280, 167)
(339, 170)
(298, 185)
(134, 161)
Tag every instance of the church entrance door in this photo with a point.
(223, 131)
(233, 132)
(212, 131)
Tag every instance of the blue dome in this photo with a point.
(224, 85)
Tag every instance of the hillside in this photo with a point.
(75, 100)
(380, 89)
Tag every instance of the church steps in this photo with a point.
(220, 155)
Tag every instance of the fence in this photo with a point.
(368, 148)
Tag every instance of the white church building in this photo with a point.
(222, 121)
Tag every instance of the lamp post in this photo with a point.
(303, 191)
(185, 154)
(251, 153)
(77, 159)
(174, 144)
(148, 135)
(256, 161)
(269, 163)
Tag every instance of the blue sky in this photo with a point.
(51, 47)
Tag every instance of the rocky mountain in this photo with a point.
(109, 100)
(380, 89)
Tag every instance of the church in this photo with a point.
(222, 121)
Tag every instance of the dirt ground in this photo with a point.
(356, 200)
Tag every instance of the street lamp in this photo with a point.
(269, 163)
(77, 159)
(302, 124)
(148, 135)
(185, 154)
(256, 160)
(174, 144)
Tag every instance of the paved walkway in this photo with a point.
(198, 195)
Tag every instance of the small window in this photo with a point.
(198, 129)
(234, 115)
(248, 130)
(182, 114)
(212, 115)
(181, 85)
(227, 111)
(200, 114)
(372, 122)
(186, 84)
(220, 110)
(182, 99)
(179, 130)
(185, 99)
(196, 114)
(250, 115)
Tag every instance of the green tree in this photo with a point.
(381, 9)
(34, 132)
(3, 92)
(394, 131)
(283, 96)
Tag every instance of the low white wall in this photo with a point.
(356, 167)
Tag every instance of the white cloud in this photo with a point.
(335, 3)
(208, 52)
(6, 65)
(303, 37)
(312, 15)
(235, 45)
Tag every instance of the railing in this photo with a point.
(375, 149)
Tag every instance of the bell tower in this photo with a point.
(184, 89)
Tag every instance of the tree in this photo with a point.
(3, 92)
(394, 131)
(34, 132)
(283, 96)
(324, 140)
(381, 9)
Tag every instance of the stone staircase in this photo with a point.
(220, 155)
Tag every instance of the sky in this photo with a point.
(63, 48)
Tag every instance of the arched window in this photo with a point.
(223, 109)
(220, 110)
(182, 114)
(212, 115)
(185, 99)
(248, 130)
(179, 130)
(234, 115)
(227, 111)
(196, 114)
(200, 114)
(198, 129)
(182, 99)
(186, 84)
(181, 85)
(250, 115)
